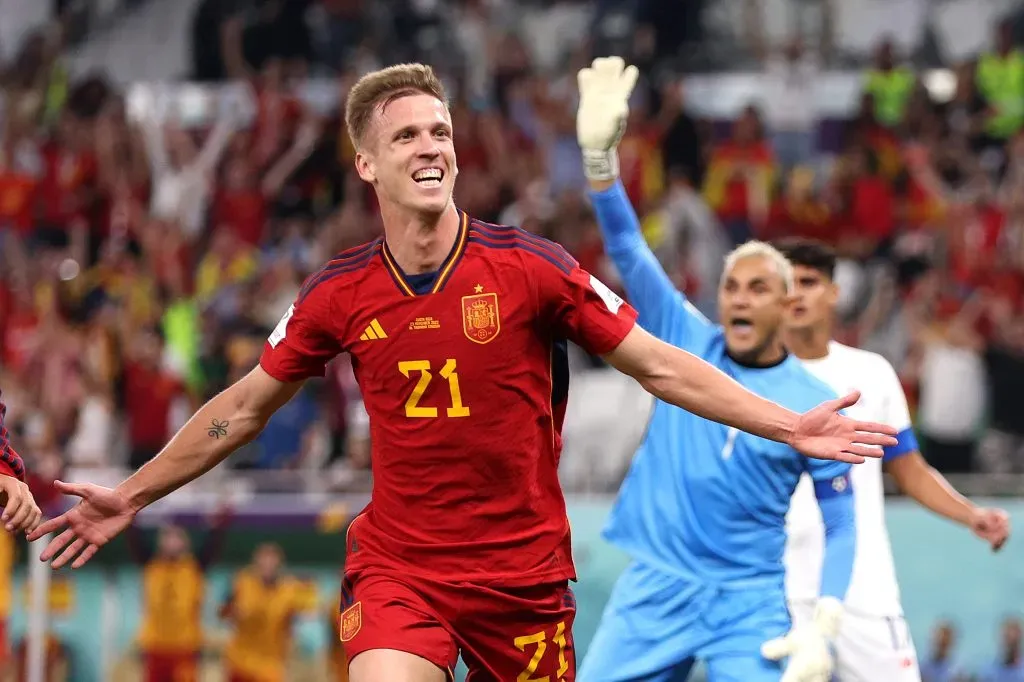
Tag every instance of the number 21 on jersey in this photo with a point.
(421, 371)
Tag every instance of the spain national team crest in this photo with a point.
(351, 621)
(480, 318)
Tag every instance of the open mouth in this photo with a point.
(428, 177)
(743, 325)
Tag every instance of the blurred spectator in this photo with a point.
(1002, 447)
(1008, 667)
(740, 177)
(684, 144)
(940, 664)
(790, 95)
(890, 85)
(1001, 83)
(952, 380)
(149, 394)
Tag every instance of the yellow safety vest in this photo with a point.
(891, 90)
(1001, 83)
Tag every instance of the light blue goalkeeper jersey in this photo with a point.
(703, 501)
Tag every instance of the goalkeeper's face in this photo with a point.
(751, 302)
(409, 156)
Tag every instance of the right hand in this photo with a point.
(21, 513)
(92, 523)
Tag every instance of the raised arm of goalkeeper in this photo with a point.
(20, 512)
(664, 310)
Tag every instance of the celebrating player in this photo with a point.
(457, 331)
(701, 511)
(20, 509)
(874, 642)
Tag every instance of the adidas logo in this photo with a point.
(373, 331)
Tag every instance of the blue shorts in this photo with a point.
(655, 626)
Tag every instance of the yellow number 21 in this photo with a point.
(412, 405)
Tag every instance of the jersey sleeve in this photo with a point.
(304, 341)
(10, 462)
(831, 479)
(579, 306)
(663, 310)
(896, 413)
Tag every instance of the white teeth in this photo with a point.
(428, 174)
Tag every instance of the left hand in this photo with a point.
(992, 526)
(808, 646)
(823, 433)
(605, 87)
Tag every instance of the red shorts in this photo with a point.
(502, 634)
(171, 667)
(5, 650)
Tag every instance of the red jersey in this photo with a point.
(465, 379)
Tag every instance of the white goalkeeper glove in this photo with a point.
(605, 87)
(808, 646)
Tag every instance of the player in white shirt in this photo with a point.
(874, 643)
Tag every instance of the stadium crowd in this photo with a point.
(145, 261)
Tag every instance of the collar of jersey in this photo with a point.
(752, 365)
(444, 272)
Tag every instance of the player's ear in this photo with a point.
(365, 167)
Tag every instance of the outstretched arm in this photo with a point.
(221, 426)
(663, 309)
(225, 423)
(684, 380)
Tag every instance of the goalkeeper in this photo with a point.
(703, 507)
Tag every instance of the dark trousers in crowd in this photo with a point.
(948, 456)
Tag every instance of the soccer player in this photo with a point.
(874, 642)
(702, 509)
(20, 509)
(457, 331)
(174, 586)
(262, 608)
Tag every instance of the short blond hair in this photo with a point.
(377, 89)
(759, 249)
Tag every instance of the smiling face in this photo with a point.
(751, 301)
(408, 154)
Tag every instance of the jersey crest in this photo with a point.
(351, 621)
(480, 318)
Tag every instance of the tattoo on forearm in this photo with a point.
(217, 428)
